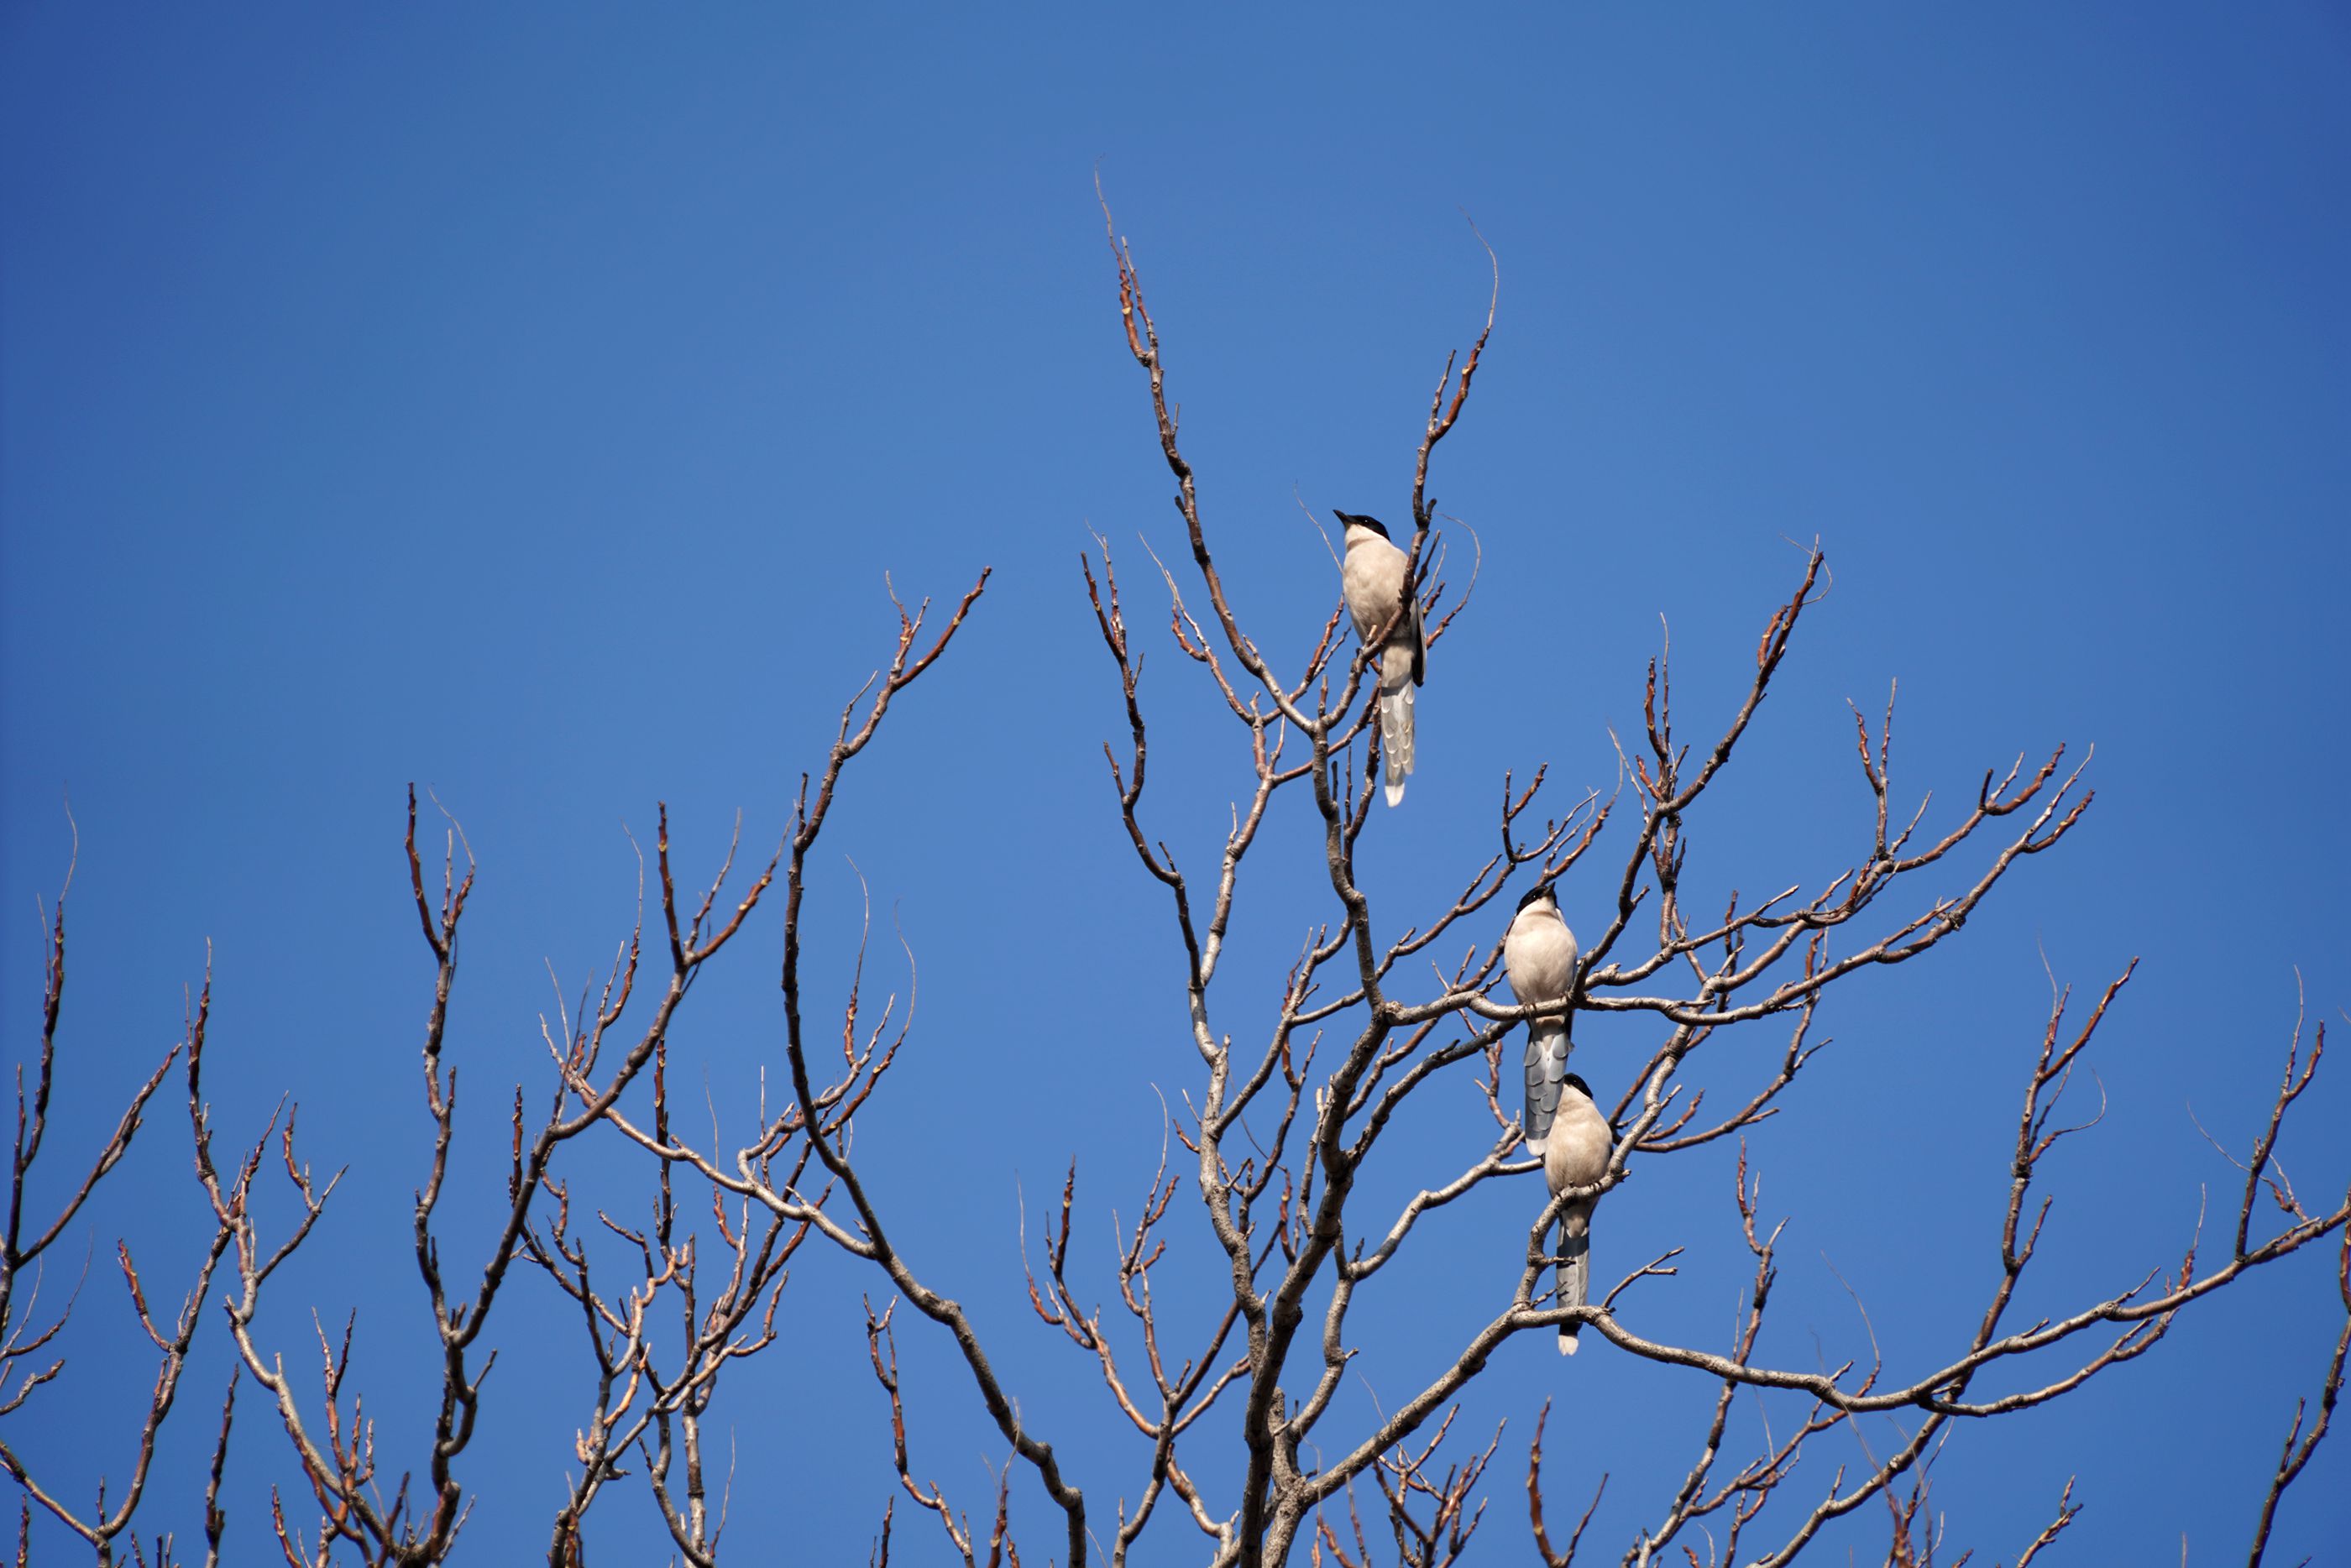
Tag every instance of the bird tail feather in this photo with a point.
(1395, 738)
(1575, 1270)
(1546, 1071)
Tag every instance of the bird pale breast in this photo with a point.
(1577, 1152)
(1372, 580)
(1539, 955)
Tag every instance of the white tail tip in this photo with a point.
(1396, 794)
(1566, 1343)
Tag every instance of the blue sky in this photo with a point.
(530, 403)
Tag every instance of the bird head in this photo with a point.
(1357, 520)
(1574, 1081)
(1540, 893)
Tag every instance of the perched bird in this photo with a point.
(1372, 580)
(1538, 954)
(1576, 1155)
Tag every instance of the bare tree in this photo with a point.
(1292, 1124)
(1279, 1206)
(27, 1331)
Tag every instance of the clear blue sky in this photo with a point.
(528, 401)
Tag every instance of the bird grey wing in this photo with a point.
(1546, 1073)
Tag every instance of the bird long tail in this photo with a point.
(1546, 1070)
(1395, 738)
(1575, 1270)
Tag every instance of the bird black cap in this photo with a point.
(1573, 1082)
(1539, 890)
(1360, 521)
